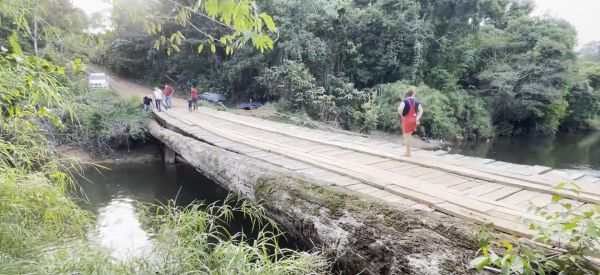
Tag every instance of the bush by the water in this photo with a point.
(106, 121)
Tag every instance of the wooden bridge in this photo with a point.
(483, 191)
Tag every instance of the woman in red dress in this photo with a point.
(411, 111)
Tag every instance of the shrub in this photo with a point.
(106, 122)
(453, 115)
(291, 82)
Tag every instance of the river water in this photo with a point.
(565, 151)
(113, 195)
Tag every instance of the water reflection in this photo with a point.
(119, 230)
(114, 195)
(564, 151)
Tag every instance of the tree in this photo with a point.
(590, 51)
(525, 76)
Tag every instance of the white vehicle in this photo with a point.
(99, 81)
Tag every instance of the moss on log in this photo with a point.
(361, 234)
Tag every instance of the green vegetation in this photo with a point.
(106, 121)
(574, 234)
(485, 67)
(42, 229)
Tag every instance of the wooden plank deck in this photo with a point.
(478, 190)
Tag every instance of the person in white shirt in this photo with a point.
(158, 96)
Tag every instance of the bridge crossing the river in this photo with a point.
(483, 191)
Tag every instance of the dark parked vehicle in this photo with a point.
(212, 97)
(248, 105)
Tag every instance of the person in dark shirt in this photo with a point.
(147, 103)
(411, 111)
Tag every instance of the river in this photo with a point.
(565, 151)
(114, 196)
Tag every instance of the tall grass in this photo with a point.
(191, 240)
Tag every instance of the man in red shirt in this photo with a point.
(169, 96)
(194, 97)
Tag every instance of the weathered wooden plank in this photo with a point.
(588, 180)
(434, 174)
(480, 190)
(519, 197)
(388, 164)
(449, 180)
(452, 156)
(340, 180)
(368, 190)
(405, 169)
(292, 164)
(540, 200)
(500, 193)
(337, 153)
(466, 185)
(395, 199)
(561, 175)
(508, 226)
(358, 186)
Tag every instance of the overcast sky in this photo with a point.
(583, 14)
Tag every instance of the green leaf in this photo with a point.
(14, 45)
(213, 48)
(541, 270)
(560, 186)
(480, 262)
(268, 21)
(556, 198)
(568, 206)
(569, 226)
(200, 48)
(508, 246)
(212, 8)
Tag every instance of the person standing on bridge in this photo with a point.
(169, 96)
(158, 98)
(411, 111)
(194, 97)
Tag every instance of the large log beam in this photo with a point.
(363, 235)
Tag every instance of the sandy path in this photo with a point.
(129, 88)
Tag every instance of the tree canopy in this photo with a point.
(518, 71)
